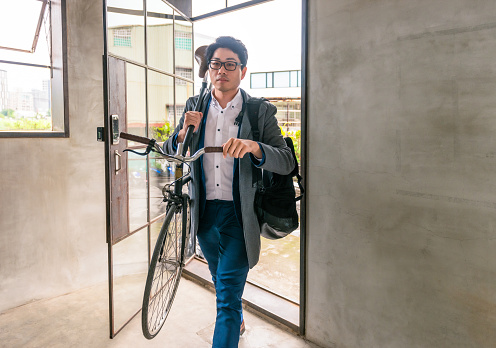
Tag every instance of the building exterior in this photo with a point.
(25, 103)
(3, 89)
(283, 89)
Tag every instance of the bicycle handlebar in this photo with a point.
(212, 149)
(178, 157)
(136, 138)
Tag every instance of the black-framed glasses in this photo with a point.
(217, 64)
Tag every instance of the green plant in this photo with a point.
(32, 124)
(8, 123)
(162, 133)
(296, 137)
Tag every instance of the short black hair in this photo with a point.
(231, 43)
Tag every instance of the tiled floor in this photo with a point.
(80, 319)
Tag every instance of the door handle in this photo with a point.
(117, 158)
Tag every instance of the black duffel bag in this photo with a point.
(275, 199)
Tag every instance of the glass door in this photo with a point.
(148, 68)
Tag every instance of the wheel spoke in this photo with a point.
(164, 275)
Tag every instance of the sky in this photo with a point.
(270, 31)
(18, 21)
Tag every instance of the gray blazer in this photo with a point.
(278, 159)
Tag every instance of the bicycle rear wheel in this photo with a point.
(165, 269)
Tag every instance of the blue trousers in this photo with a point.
(223, 245)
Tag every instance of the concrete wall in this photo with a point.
(52, 201)
(402, 173)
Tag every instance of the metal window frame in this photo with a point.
(59, 73)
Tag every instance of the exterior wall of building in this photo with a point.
(3, 90)
(401, 188)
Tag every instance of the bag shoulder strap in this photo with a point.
(253, 108)
(295, 171)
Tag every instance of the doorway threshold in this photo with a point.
(257, 298)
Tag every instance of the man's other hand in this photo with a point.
(238, 148)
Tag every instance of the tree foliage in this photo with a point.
(8, 113)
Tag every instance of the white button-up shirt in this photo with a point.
(219, 128)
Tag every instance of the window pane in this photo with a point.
(293, 78)
(281, 79)
(235, 2)
(160, 36)
(184, 72)
(270, 82)
(127, 4)
(40, 56)
(138, 191)
(161, 174)
(126, 36)
(155, 231)
(183, 92)
(200, 7)
(279, 266)
(136, 101)
(258, 80)
(183, 43)
(130, 268)
(19, 19)
(299, 78)
(160, 100)
(25, 100)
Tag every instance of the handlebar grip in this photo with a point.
(136, 138)
(212, 149)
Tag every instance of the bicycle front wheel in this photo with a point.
(165, 270)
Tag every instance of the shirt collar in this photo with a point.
(235, 103)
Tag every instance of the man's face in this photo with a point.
(222, 79)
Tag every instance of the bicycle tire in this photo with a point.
(165, 269)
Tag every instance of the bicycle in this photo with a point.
(168, 258)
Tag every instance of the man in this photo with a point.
(222, 192)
